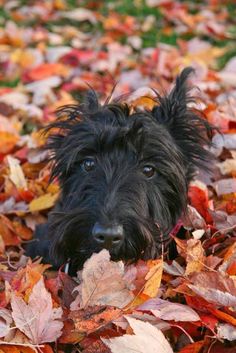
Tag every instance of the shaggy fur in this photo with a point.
(123, 176)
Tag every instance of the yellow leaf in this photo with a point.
(43, 202)
(153, 278)
(7, 141)
(195, 256)
(16, 173)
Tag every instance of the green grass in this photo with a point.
(10, 84)
(134, 8)
(222, 61)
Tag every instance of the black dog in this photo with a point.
(123, 175)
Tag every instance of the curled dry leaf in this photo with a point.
(215, 288)
(193, 219)
(102, 283)
(146, 339)
(173, 269)
(166, 310)
(38, 320)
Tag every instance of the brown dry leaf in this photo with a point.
(195, 256)
(43, 202)
(215, 288)
(8, 348)
(91, 319)
(153, 279)
(102, 283)
(166, 310)
(38, 320)
(7, 231)
(146, 339)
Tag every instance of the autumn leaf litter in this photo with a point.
(50, 51)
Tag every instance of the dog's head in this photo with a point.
(123, 174)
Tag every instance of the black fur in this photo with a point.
(171, 139)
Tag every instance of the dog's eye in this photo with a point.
(88, 164)
(148, 171)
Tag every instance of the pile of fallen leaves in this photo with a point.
(50, 52)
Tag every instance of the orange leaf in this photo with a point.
(199, 200)
(192, 348)
(22, 231)
(45, 70)
(15, 349)
(94, 317)
(7, 232)
(7, 142)
(223, 316)
(27, 277)
(232, 269)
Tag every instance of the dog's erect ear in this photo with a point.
(189, 129)
(62, 140)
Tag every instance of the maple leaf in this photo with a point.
(146, 339)
(38, 320)
(102, 283)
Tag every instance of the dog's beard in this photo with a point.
(72, 239)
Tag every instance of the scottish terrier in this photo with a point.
(123, 174)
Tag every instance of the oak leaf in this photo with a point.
(38, 320)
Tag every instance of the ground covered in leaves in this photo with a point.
(50, 51)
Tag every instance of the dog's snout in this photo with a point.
(108, 237)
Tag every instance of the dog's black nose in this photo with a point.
(108, 237)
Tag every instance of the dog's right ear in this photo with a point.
(62, 142)
(188, 128)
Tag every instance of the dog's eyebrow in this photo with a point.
(148, 158)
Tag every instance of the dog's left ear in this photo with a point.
(188, 128)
